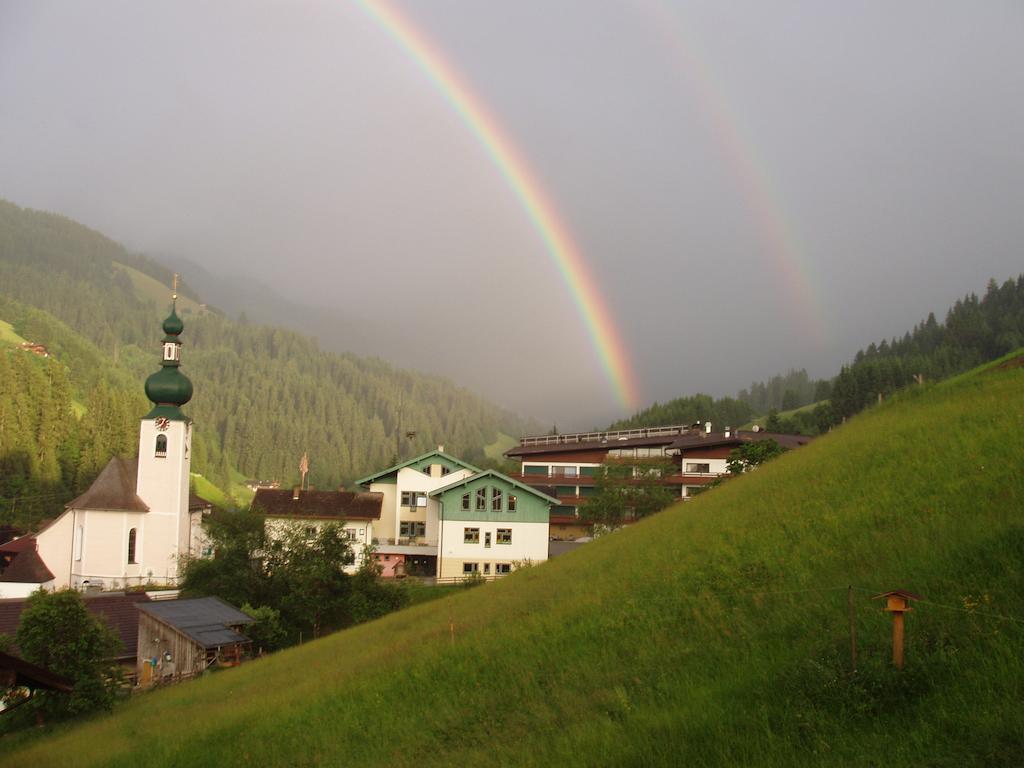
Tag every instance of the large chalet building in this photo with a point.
(566, 466)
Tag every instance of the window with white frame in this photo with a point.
(511, 502)
(471, 536)
(698, 468)
(481, 499)
(496, 499)
(503, 567)
(465, 502)
(470, 568)
(504, 536)
(414, 499)
(408, 528)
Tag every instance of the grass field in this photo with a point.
(762, 420)
(715, 633)
(7, 334)
(151, 289)
(496, 450)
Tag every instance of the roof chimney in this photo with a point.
(707, 427)
(295, 493)
(440, 449)
(728, 431)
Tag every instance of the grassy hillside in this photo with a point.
(715, 633)
(150, 290)
(8, 334)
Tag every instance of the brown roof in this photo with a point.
(117, 609)
(26, 566)
(698, 440)
(338, 505)
(114, 489)
(197, 503)
(31, 676)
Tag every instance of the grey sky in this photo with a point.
(297, 142)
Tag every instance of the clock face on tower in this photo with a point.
(163, 423)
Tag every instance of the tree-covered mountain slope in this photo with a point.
(714, 633)
(263, 396)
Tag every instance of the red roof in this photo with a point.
(22, 564)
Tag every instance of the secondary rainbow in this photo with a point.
(775, 232)
(541, 212)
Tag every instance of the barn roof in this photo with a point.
(205, 620)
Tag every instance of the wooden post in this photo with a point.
(897, 639)
(451, 620)
(897, 603)
(853, 629)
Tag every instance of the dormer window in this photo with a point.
(161, 446)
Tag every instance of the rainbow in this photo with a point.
(541, 212)
(776, 234)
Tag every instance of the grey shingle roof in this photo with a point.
(207, 620)
(113, 489)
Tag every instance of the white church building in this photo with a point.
(135, 523)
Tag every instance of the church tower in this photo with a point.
(165, 442)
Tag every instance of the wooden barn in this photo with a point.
(182, 638)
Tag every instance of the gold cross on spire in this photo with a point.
(174, 295)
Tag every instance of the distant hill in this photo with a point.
(715, 633)
(264, 395)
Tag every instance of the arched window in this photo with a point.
(161, 445)
(131, 546)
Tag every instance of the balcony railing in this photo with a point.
(405, 541)
(597, 437)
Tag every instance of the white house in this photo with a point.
(425, 530)
(357, 513)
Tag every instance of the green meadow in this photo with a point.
(714, 633)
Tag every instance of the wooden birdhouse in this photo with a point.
(897, 603)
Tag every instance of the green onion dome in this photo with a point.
(169, 386)
(173, 325)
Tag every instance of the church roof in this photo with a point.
(336, 505)
(113, 489)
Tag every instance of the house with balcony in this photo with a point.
(566, 466)
(406, 536)
(441, 516)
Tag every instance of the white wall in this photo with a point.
(163, 484)
(54, 544)
(529, 542)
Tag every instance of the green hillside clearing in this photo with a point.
(8, 335)
(715, 633)
(150, 289)
(783, 415)
(496, 450)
